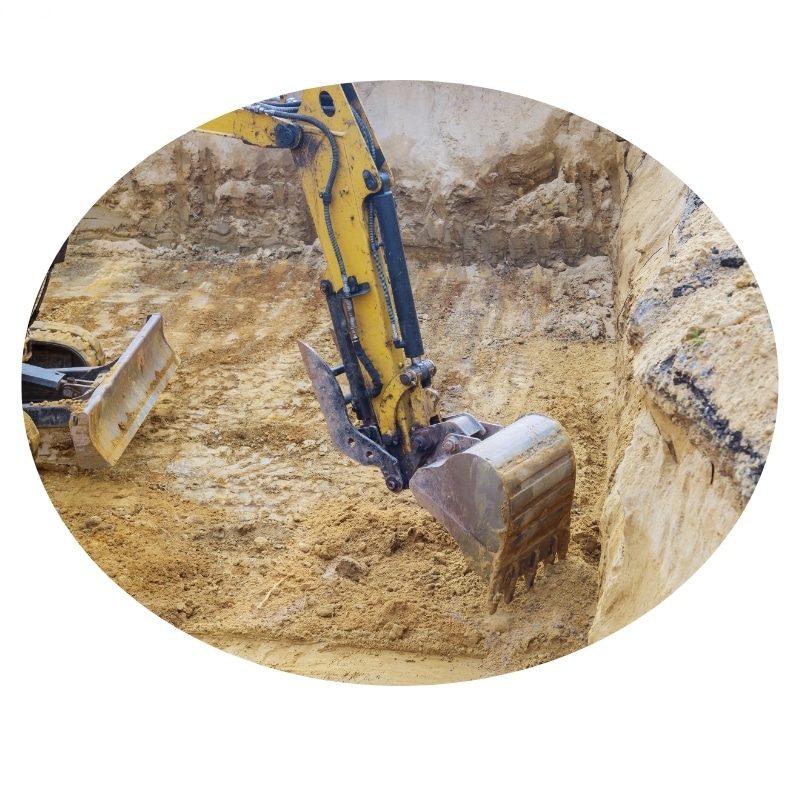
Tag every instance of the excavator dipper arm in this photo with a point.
(504, 494)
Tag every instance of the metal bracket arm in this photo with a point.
(345, 436)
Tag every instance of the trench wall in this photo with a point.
(697, 379)
(620, 249)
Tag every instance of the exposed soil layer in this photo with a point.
(557, 268)
(231, 516)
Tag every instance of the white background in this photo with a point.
(103, 699)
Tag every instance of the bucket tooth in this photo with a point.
(529, 578)
(506, 501)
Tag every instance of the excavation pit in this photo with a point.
(563, 271)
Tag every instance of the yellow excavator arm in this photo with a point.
(504, 494)
(347, 186)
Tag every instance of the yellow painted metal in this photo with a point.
(506, 500)
(249, 127)
(398, 408)
(348, 219)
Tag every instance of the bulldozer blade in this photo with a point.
(506, 501)
(102, 428)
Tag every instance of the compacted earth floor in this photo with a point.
(233, 518)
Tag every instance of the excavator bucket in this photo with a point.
(103, 427)
(506, 501)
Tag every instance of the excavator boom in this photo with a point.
(503, 493)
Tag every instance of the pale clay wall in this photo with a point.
(484, 177)
(698, 376)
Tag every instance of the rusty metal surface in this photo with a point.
(506, 501)
(346, 438)
(102, 428)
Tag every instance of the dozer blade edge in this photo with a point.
(506, 501)
(103, 427)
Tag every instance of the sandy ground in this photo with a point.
(232, 517)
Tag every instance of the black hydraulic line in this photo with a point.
(366, 135)
(262, 106)
(375, 249)
(386, 211)
(341, 315)
(355, 379)
(327, 194)
(377, 384)
(374, 246)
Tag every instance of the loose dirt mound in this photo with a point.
(233, 518)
